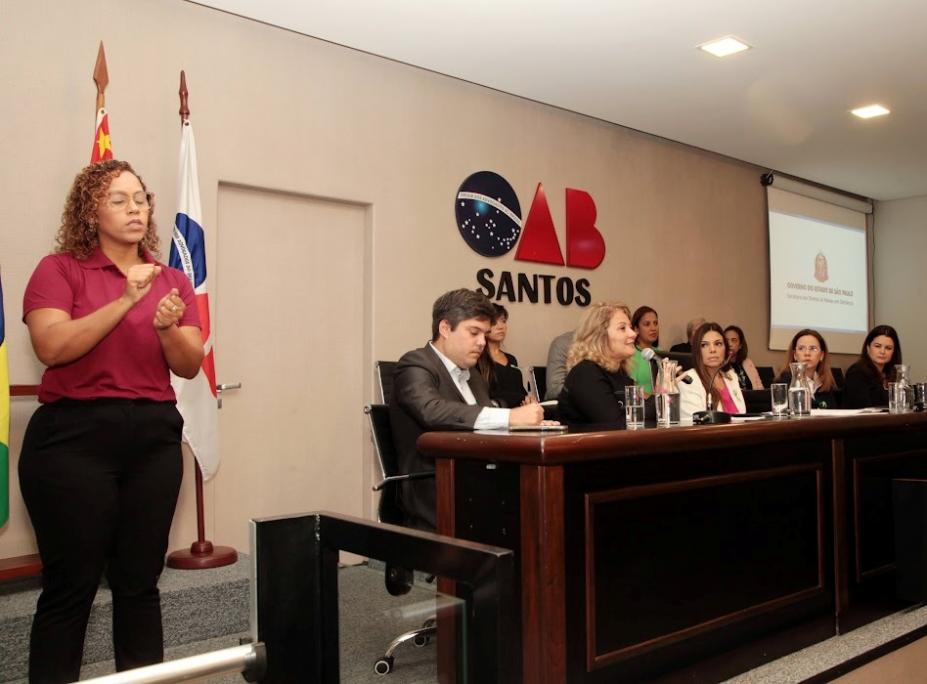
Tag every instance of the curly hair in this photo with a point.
(78, 232)
(591, 339)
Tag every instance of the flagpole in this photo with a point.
(202, 554)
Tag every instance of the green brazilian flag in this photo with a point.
(4, 422)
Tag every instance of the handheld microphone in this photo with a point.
(709, 416)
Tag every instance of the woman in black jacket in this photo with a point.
(499, 368)
(597, 369)
(866, 379)
(809, 347)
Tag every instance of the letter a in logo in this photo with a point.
(539, 238)
(585, 245)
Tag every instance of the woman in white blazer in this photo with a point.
(710, 353)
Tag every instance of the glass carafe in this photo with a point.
(666, 392)
(800, 390)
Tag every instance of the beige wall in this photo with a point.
(685, 229)
(901, 277)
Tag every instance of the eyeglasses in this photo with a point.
(119, 200)
(811, 350)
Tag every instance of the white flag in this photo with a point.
(196, 398)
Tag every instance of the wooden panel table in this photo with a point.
(641, 552)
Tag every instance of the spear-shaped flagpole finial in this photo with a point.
(184, 107)
(100, 77)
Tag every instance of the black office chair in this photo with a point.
(767, 375)
(684, 359)
(838, 377)
(757, 401)
(385, 370)
(537, 379)
(398, 580)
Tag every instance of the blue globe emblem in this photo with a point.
(488, 214)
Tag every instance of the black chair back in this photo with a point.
(538, 381)
(838, 377)
(385, 370)
(767, 375)
(758, 401)
(682, 358)
(381, 432)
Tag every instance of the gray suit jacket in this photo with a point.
(426, 399)
(556, 364)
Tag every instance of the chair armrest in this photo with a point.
(399, 478)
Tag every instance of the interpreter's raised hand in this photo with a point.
(527, 414)
(138, 281)
(170, 310)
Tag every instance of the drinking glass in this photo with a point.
(920, 395)
(897, 397)
(667, 409)
(779, 394)
(634, 406)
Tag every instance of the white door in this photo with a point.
(290, 291)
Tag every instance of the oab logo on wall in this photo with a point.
(489, 220)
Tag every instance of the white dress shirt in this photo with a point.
(490, 418)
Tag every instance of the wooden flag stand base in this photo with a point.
(201, 554)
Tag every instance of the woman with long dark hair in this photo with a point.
(711, 375)
(866, 379)
(499, 368)
(743, 367)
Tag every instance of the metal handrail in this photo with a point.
(249, 659)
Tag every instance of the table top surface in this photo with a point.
(559, 448)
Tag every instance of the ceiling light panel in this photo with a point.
(870, 111)
(723, 47)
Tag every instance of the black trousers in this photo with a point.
(100, 480)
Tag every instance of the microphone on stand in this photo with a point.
(710, 416)
(650, 355)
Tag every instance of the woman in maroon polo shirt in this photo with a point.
(101, 465)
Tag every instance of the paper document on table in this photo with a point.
(842, 413)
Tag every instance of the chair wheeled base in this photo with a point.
(419, 637)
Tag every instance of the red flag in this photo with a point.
(102, 145)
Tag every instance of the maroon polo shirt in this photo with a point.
(128, 363)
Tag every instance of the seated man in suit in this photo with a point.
(434, 389)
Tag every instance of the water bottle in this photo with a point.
(799, 391)
(904, 397)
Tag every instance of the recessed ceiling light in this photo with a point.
(870, 111)
(722, 47)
